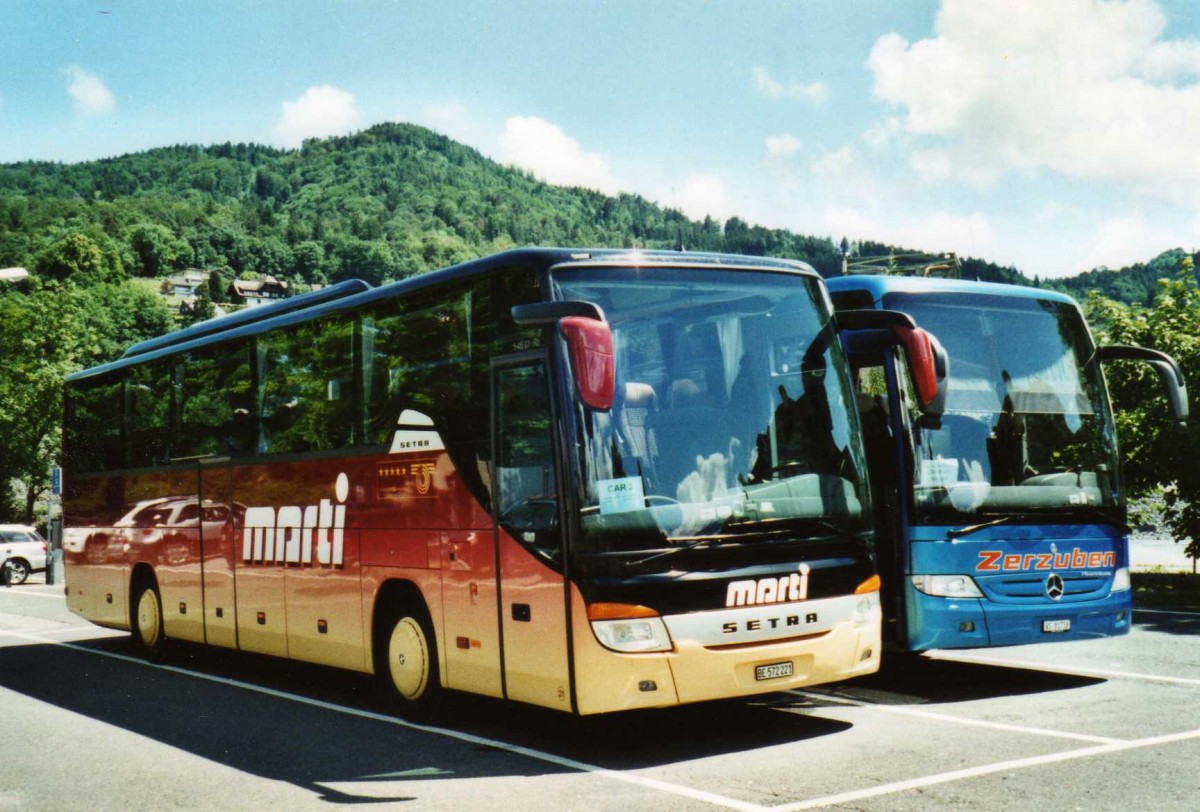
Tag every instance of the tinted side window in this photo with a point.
(148, 411)
(214, 401)
(306, 398)
(420, 360)
(93, 426)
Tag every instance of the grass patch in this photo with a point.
(1166, 590)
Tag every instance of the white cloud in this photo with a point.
(967, 235)
(448, 119)
(553, 156)
(1084, 88)
(1121, 241)
(883, 131)
(321, 111)
(816, 92)
(699, 196)
(783, 146)
(92, 97)
(842, 164)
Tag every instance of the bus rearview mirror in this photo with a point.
(1168, 371)
(590, 347)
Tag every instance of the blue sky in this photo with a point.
(1054, 135)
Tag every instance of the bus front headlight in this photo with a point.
(628, 628)
(947, 586)
(1121, 580)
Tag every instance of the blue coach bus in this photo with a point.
(1003, 521)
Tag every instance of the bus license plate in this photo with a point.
(1056, 626)
(773, 671)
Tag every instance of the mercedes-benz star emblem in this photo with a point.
(1054, 586)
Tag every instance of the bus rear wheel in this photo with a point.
(148, 631)
(406, 666)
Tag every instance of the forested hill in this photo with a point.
(1135, 284)
(385, 203)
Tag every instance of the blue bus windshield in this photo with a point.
(1027, 426)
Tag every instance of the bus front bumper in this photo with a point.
(936, 622)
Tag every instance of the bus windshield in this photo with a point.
(1027, 427)
(731, 425)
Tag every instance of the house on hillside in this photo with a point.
(185, 283)
(257, 291)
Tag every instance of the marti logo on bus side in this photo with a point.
(292, 534)
(997, 561)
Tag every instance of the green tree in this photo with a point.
(1154, 451)
(154, 249)
(79, 258)
(202, 308)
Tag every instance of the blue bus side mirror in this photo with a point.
(1168, 371)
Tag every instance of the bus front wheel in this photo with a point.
(406, 666)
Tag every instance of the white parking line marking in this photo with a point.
(550, 758)
(1057, 669)
(29, 593)
(982, 770)
(959, 720)
(1166, 612)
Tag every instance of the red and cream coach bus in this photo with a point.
(590, 481)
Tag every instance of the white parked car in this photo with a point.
(22, 551)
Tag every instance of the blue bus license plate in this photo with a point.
(773, 671)
(1056, 626)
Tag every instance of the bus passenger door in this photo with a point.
(532, 591)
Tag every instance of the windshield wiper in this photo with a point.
(784, 532)
(691, 545)
(1047, 517)
(1005, 519)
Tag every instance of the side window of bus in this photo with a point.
(148, 410)
(214, 402)
(93, 427)
(306, 400)
(419, 361)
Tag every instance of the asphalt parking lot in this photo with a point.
(1104, 724)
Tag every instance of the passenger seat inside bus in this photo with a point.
(637, 403)
(688, 434)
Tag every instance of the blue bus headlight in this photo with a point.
(947, 586)
(1121, 580)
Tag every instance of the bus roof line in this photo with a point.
(356, 292)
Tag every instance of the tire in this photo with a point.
(406, 664)
(18, 571)
(147, 625)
